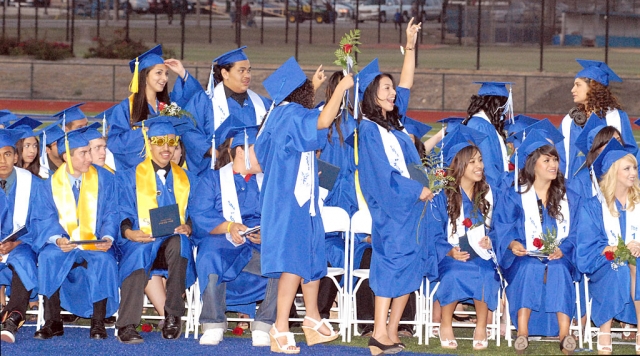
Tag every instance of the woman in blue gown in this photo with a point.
(457, 237)
(603, 221)
(485, 114)
(396, 203)
(592, 95)
(540, 290)
(150, 88)
(291, 225)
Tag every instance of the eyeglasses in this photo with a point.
(164, 140)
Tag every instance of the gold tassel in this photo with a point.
(147, 145)
(66, 147)
(133, 86)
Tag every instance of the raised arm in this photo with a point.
(330, 110)
(409, 65)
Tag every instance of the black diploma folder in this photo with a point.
(418, 174)
(164, 220)
(16, 235)
(328, 174)
(464, 245)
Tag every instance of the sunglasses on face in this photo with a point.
(164, 140)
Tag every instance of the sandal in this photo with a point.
(521, 344)
(604, 349)
(313, 334)
(284, 349)
(435, 332)
(479, 344)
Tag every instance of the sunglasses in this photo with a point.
(164, 140)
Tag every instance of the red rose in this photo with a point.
(609, 255)
(512, 167)
(161, 106)
(440, 173)
(537, 242)
(347, 48)
(238, 331)
(444, 173)
(467, 223)
(147, 328)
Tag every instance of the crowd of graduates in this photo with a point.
(512, 202)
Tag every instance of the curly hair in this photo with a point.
(491, 105)
(599, 99)
(454, 196)
(373, 111)
(608, 186)
(140, 107)
(600, 140)
(303, 95)
(557, 189)
(332, 83)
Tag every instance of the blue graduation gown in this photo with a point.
(127, 145)
(292, 239)
(79, 287)
(525, 275)
(198, 141)
(216, 255)
(490, 150)
(459, 281)
(608, 288)
(581, 183)
(22, 258)
(137, 255)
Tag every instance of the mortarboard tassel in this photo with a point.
(247, 161)
(104, 124)
(147, 145)
(213, 151)
(515, 174)
(211, 85)
(594, 181)
(66, 147)
(44, 160)
(133, 86)
(356, 101)
(507, 111)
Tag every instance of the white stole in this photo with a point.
(23, 195)
(221, 106)
(44, 172)
(612, 225)
(230, 205)
(110, 160)
(473, 235)
(503, 147)
(393, 150)
(532, 223)
(305, 181)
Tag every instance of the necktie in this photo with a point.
(76, 190)
(161, 174)
(3, 184)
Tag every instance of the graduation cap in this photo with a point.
(50, 134)
(161, 125)
(584, 141)
(451, 122)
(235, 55)
(103, 116)
(26, 125)
(91, 132)
(145, 60)
(7, 116)
(71, 114)
(520, 122)
(284, 81)
(9, 137)
(637, 122)
(366, 76)
(549, 131)
(598, 71)
(494, 88)
(72, 139)
(460, 137)
(611, 153)
(416, 128)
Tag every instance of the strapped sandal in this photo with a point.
(604, 349)
(283, 349)
(313, 334)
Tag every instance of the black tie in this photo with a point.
(3, 184)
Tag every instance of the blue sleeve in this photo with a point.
(507, 227)
(110, 224)
(301, 125)
(125, 144)
(402, 100)
(205, 207)
(568, 245)
(184, 89)
(592, 239)
(45, 217)
(381, 184)
(627, 131)
(437, 219)
(127, 200)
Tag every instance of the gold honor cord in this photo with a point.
(133, 86)
(361, 202)
(85, 213)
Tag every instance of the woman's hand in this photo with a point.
(176, 67)
(234, 229)
(485, 243)
(556, 255)
(412, 34)
(346, 83)
(517, 248)
(256, 238)
(318, 78)
(138, 236)
(426, 194)
(456, 254)
(183, 229)
(634, 247)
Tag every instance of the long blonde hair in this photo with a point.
(608, 187)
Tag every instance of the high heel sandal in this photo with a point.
(275, 345)
(604, 349)
(568, 345)
(313, 334)
(521, 344)
(378, 348)
(448, 344)
(483, 344)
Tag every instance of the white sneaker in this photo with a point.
(212, 337)
(260, 338)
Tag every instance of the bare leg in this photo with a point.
(523, 321)
(157, 294)
(287, 288)
(605, 340)
(446, 323)
(564, 322)
(397, 308)
(482, 314)
(310, 295)
(3, 297)
(381, 311)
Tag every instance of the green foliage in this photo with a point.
(438, 176)
(623, 254)
(348, 45)
(550, 241)
(40, 49)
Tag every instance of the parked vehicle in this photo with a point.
(30, 3)
(384, 10)
(320, 13)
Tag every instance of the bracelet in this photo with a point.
(229, 226)
(408, 48)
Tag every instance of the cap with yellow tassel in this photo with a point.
(147, 59)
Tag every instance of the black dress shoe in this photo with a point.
(49, 330)
(172, 327)
(97, 331)
(129, 335)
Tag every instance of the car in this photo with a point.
(383, 10)
(30, 3)
(320, 13)
(158, 6)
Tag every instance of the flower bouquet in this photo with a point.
(436, 173)
(621, 256)
(173, 110)
(348, 45)
(546, 244)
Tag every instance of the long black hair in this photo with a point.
(140, 106)
(556, 190)
(492, 107)
(373, 111)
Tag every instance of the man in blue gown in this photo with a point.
(75, 205)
